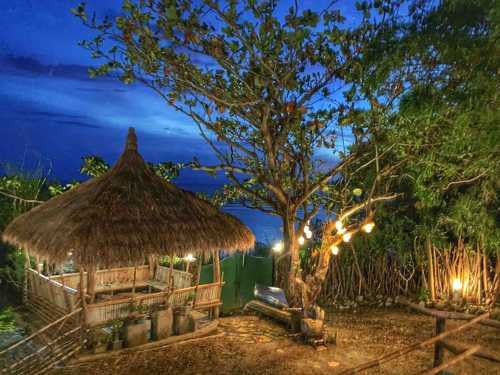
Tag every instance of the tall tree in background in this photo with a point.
(447, 136)
(269, 92)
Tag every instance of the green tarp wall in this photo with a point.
(241, 273)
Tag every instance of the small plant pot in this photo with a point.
(182, 320)
(117, 345)
(101, 348)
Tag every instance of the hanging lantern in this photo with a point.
(278, 247)
(457, 285)
(346, 237)
(189, 258)
(309, 235)
(339, 225)
(357, 192)
(368, 227)
(334, 249)
(301, 240)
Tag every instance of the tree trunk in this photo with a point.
(295, 285)
(314, 281)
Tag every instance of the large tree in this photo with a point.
(272, 92)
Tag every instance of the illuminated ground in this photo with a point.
(251, 345)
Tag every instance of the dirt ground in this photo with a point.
(253, 345)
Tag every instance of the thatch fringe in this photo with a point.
(123, 216)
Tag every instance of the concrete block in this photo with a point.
(162, 324)
(136, 334)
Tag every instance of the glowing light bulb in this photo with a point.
(342, 230)
(189, 258)
(368, 227)
(334, 249)
(301, 240)
(457, 284)
(307, 229)
(309, 235)
(346, 237)
(339, 225)
(70, 253)
(278, 247)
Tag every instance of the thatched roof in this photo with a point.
(123, 216)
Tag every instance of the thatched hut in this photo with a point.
(119, 219)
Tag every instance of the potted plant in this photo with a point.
(137, 312)
(100, 343)
(116, 341)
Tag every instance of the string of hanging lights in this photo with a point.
(344, 234)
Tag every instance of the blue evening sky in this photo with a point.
(52, 113)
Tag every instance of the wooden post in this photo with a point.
(26, 270)
(171, 274)
(217, 279)
(152, 266)
(37, 266)
(82, 296)
(438, 346)
(133, 283)
(91, 283)
(198, 276)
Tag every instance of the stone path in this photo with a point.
(250, 329)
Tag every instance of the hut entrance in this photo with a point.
(240, 272)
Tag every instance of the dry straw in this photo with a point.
(123, 216)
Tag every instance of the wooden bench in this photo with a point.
(280, 314)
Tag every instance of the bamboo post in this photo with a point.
(133, 282)
(217, 279)
(82, 296)
(171, 275)
(438, 347)
(91, 283)
(431, 269)
(198, 276)
(26, 270)
(152, 267)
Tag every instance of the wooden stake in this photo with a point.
(438, 348)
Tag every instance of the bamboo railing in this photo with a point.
(206, 296)
(45, 348)
(182, 279)
(60, 296)
(57, 295)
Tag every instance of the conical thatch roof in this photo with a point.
(123, 216)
